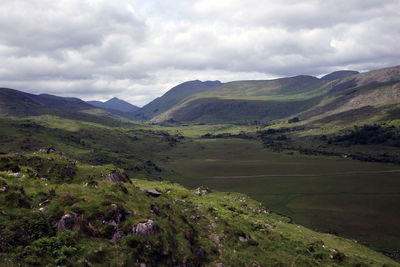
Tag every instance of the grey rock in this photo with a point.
(151, 192)
(145, 229)
(44, 203)
(68, 221)
(117, 177)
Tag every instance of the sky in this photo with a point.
(137, 50)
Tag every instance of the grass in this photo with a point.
(192, 230)
(351, 198)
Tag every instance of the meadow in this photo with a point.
(346, 197)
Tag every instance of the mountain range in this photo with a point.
(305, 97)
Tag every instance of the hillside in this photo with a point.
(57, 211)
(14, 103)
(299, 96)
(172, 98)
(339, 75)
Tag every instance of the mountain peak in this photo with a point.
(115, 104)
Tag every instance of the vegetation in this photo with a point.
(88, 220)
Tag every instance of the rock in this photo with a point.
(118, 213)
(116, 177)
(155, 209)
(117, 236)
(151, 192)
(44, 203)
(243, 238)
(68, 221)
(5, 188)
(220, 264)
(199, 191)
(143, 264)
(216, 239)
(145, 229)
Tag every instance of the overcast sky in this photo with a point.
(137, 50)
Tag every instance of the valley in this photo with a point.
(316, 153)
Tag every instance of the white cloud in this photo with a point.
(136, 50)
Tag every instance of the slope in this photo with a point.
(82, 215)
(247, 101)
(301, 96)
(14, 103)
(172, 98)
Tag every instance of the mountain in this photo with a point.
(114, 104)
(14, 103)
(172, 98)
(246, 101)
(339, 75)
(300, 96)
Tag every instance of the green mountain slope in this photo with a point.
(172, 98)
(57, 211)
(301, 96)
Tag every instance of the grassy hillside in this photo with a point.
(305, 97)
(172, 98)
(57, 211)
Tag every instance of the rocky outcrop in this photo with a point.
(68, 221)
(116, 177)
(199, 191)
(145, 229)
(151, 192)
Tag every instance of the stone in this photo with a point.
(151, 192)
(67, 221)
(243, 238)
(44, 203)
(145, 229)
(117, 177)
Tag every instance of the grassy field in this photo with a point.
(331, 194)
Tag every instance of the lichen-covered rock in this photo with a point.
(145, 229)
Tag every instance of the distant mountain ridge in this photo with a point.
(301, 96)
(114, 104)
(14, 103)
(173, 97)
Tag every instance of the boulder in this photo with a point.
(117, 177)
(243, 238)
(67, 221)
(145, 229)
(151, 192)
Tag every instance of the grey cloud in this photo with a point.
(137, 50)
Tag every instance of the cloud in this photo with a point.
(137, 50)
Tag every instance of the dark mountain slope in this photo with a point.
(173, 97)
(14, 103)
(339, 75)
